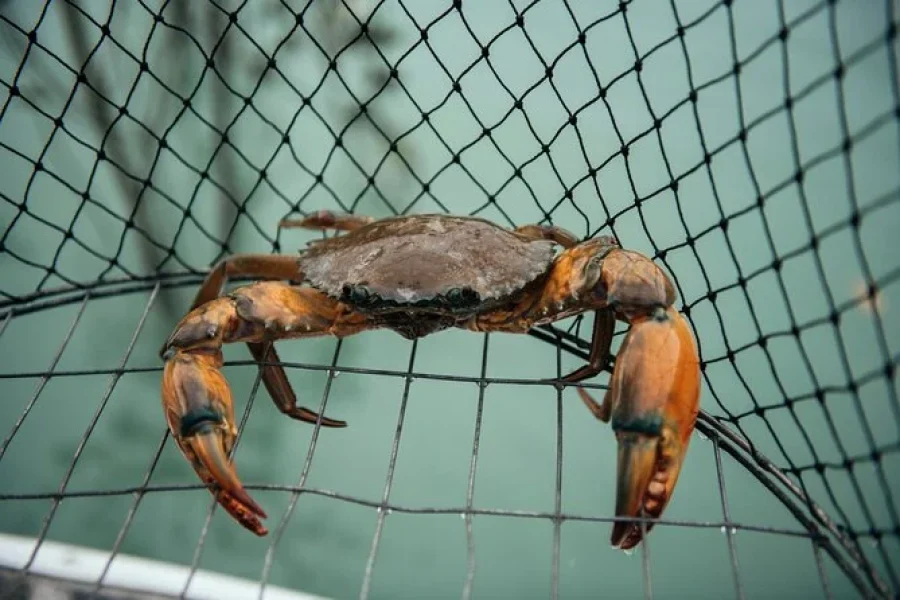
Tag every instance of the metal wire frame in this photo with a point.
(795, 487)
(824, 535)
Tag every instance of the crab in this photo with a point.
(420, 274)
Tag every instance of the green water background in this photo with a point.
(326, 543)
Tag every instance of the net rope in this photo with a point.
(843, 495)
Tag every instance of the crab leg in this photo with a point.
(263, 266)
(601, 340)
(604, 320)
(561, 236)
(195, 395)
(325, 219)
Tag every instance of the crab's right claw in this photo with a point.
(199, 411)
(653, 403)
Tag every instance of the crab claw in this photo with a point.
(200, 415)
(652, 405)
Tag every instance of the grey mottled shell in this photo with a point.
(418, 258)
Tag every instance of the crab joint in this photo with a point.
(199, 420)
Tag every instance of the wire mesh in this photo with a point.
(144, 142)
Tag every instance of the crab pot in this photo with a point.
(749, 150)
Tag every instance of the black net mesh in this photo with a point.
(751, 148)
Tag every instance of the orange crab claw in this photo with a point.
(652, 405)
(200, 415)
(655, 397)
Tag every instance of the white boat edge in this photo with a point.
(142, 575)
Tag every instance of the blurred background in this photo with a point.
(750, 147)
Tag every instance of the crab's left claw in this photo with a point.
(200, 415)
(652, 405)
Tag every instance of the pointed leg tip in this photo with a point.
(306, 415)
(587, 399)
(600, 411)
(334, 423)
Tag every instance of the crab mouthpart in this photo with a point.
(209, 449)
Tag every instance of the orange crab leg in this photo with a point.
(652, 405)
(263, 266)
(601, 340)
(195, 396)
(561, 236)
(326, 219)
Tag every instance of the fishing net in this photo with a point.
(750, 148)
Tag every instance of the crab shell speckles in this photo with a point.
(428, 262)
